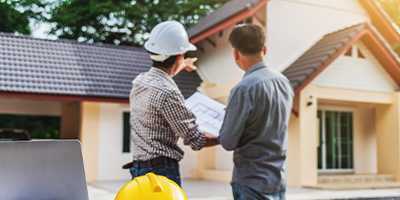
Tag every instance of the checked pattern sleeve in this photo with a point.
(182, 121)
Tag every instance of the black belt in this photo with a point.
(156, 162)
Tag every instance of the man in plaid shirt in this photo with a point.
(158, 113)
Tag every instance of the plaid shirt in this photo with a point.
(159, 117)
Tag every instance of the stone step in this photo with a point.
(355, 179)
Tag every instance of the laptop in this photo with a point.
(42, 170)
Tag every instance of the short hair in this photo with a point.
(166, 64)
(248, 39)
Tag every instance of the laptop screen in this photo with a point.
(42, 170)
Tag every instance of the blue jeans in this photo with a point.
(171, 172)
(242, 192)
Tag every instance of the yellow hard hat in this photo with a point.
(151, 187)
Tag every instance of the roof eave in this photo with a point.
(387, 58)
(328, 62)
(384, 54)
(63, 97)
(231, 21)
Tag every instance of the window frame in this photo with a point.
(338, 109)
(126, 132)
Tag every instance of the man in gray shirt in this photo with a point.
(256, 121)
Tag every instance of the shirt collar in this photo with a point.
(163, 74)
(159, 71)
(255, 67)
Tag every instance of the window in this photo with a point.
(360, 54)
(39, 127)
(335, 151)
(126, 139)
(354, 52)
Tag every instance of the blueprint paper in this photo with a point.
(209, 113)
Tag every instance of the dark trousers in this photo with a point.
(243, 192)
(170, 170)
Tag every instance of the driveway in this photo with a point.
(210, 190)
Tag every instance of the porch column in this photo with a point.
(308, 136)
(293, 159)
(388, 137)
(90, 119)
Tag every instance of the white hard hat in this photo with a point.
(169, 38)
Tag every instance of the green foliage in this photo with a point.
(122, 21)
(39, 127)
(15, 15)
(392, 8)
(397, 48)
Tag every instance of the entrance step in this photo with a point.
(359, 181)
(358, 178)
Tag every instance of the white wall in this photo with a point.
(293, 26)
(111, 157)
(29, 107)
(216, 64)
(110, 134)
(355, 73)
(189, 165)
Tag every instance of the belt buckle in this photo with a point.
(156, 162)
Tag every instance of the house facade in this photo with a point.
(85, 87)
(344, 130)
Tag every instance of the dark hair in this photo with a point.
(248, 39)
(166, 64)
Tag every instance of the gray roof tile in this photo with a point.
(70, 68)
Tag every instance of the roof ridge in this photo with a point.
(69, 41)
(352, 26)
(224, 12)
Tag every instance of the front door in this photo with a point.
(335, 150)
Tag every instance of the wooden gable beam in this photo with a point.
(383, 53)
(382, 21)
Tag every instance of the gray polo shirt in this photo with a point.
(256, 126)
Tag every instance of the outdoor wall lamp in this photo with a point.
(310, 101)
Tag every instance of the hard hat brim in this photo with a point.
(191, 47)
(153, 49)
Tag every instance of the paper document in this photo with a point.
(209, 113)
